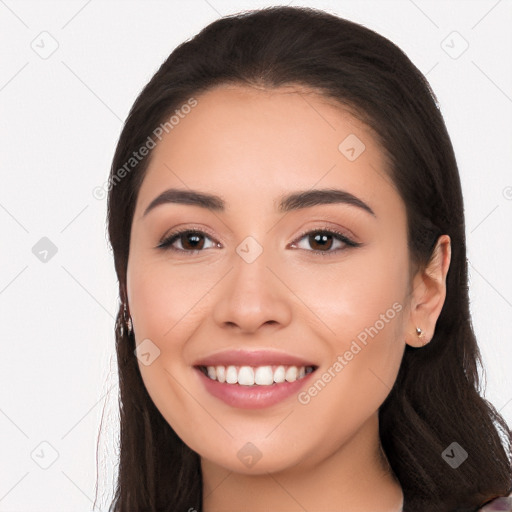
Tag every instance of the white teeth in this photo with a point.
(231, 375)
(221, 374)
(246, 376)
(264, 376)
(260, 375)
(279, 375)
(211, 372)
(291, 374)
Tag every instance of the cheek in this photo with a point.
(359, 309)
(348, 297)
(164, 304)
(365, 313)
(163, 297)
(167, 304)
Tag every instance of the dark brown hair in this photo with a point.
(436, 397)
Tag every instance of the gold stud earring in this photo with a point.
(420, 334)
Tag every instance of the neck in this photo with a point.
(356, 478)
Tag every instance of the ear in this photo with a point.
(428, 294)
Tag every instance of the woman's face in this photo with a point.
(259, 290)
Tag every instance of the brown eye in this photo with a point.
(322, 241)
(190, 241)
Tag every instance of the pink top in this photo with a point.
(503, 504)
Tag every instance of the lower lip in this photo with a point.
(252, 397)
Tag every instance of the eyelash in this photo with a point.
(166, 243)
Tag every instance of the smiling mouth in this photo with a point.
(256, 375)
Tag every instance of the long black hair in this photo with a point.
(436, 397)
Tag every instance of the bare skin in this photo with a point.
(318, 451)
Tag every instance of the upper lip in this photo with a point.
(252, 358)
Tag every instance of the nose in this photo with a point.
(252, 295)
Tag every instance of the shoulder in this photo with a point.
(503, 504)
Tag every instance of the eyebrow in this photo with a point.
(293, 201)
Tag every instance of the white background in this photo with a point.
(59, 123)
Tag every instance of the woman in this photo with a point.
(286, 219)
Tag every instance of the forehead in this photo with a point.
(251, 142)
